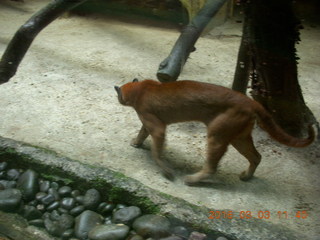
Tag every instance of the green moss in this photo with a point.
(55, 178)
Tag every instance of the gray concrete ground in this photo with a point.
(62, 98)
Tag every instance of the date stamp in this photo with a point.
(213, 215)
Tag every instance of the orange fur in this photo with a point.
(228, 115)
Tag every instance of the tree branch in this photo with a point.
(170, 68)
(23, 38)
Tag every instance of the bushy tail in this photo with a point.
(266, 122)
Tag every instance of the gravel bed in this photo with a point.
(69, 213)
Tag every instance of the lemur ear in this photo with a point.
(135, 80)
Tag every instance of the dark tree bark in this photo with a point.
(23, 38)
(268, 53)
(170, 68)
(244, 62)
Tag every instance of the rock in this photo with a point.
(63, 210)
(172, 238)
(197, 236)
(108, 220)
(126, 215)
(3, 175)
(68, 203)
(107, 209)
(54, 185)
(37, 223)
(101, 206)
(8, 184)
(77, 210)
(40, 195)
(136, 237)
(54, 215)
(75, 193)
(44, 186)
(79, 199)
(66, 221)
(52, 227)
(153, 226)
(85, 222)
(180, 231)
(47, 199)
(92, 199)
(109, 232)
(3, 166)
(10, 200)
(59, 227)
(41, 207)
(54, 192)
(28, 184)
(222, 238)
(67, 234)
(13, 174)
(65, 191)
(31, 213)
(53, 206)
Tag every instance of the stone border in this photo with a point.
(115, 186)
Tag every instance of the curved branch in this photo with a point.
(170, 68)
(23, 38)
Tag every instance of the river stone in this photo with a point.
(54, 185)
(180, 231)
(109, 232)
(31, 212)
(172, 238)
(126, 215)
(8, 184)
(77, 210)
(40, 195)
(28, 184)
(10, 200)
(54, 192)
(136, 237)
(75, 193)
(197, 236)
(67, 234)
(47, 199)
(222, 238)
(3, 175)
(68, 203)
(13, 174)
(53, 206)
(153, 226)
(107, 209)
(65, 191)
(59, 227)
(37, 223)
(52, 227)
(85, 222)
(92, 199)
(3, 166)
(44, 186)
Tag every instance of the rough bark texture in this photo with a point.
(170, 68)
(23, 38)
(268, 52)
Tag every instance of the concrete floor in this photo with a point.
(62, 98)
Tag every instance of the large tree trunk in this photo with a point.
(268, 50)
(23, 38)
(170, 68)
